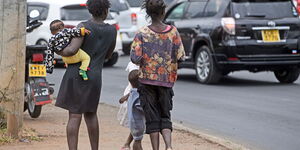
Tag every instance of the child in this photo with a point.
(123, 111)
(61, 38)
(157, 49)
(136, 116)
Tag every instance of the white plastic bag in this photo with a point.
(123, 115)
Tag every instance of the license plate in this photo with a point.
(37, 70)
(270, 35)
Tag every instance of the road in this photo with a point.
(250, 109)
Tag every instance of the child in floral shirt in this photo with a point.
(157, 49)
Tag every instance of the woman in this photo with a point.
(81, 97)
(157, 49)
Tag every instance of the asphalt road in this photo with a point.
(250, 109)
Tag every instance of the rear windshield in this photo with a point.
(139, 3)
(118, 5)
(263, 9)
(135, 3)
(76, 12)
(43, 10)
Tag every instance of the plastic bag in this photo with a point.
(122, 115)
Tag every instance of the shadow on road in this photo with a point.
(232, 81)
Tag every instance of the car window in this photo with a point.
(263, 9)
(43, 10)
(135, 3)
(118, 5)
(195, 10)
(75, 12)
(168, 2)
(213, 7)
(177, 12)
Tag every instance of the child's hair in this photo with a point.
(54, 26)
(154, 8)
(98, 8)
(133, 78)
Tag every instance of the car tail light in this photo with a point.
(117, 26)
(233, 59)
(228, 25)
(134, 19)
(298, 6)
(69, 26)
(82, 4)
(37, 57)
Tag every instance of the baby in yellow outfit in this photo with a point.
(61, 38)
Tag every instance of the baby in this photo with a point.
(61, 38)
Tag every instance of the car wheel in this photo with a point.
(41, 42)
(206, 69)
(287, 75)
(112, 61)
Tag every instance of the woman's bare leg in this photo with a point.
(73, 130)
(154, 137)
(92, 124)
(167, 136)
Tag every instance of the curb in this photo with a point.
(209, 138)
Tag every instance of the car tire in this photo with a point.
(287, 75)
(112, 61)
(41, 42)
(206, 70)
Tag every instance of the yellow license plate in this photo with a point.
(270, 35)
(37, 70)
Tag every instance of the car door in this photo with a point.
(191, 24)
(183, 17)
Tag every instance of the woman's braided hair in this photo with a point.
(98, 8)
(154, 8)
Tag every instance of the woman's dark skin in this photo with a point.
(90, 118)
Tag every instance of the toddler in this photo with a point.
(61, 38)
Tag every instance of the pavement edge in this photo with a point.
(212, 139)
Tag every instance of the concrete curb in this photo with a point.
(209, 138)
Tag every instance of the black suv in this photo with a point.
(222, 36)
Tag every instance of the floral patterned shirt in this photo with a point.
(157, 54)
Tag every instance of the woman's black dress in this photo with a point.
(75, 94)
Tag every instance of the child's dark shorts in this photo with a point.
(157, 104)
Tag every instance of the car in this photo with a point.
(71, 12)
(223, 36)
(120, 10)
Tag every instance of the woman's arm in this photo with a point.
(112, 46)
(72, 48)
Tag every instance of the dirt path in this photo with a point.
(51, 128)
